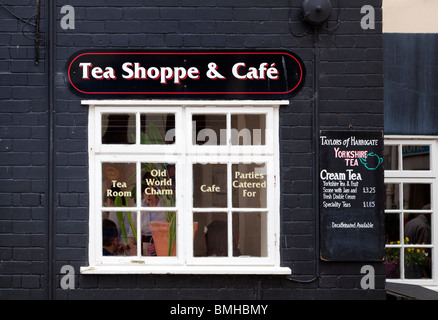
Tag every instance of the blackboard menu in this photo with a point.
(351, 195)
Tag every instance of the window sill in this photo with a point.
(256, 270)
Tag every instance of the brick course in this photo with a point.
(351, 95)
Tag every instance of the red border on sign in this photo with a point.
(183, 53)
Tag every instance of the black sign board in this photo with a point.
(351, 196)
(185, 74)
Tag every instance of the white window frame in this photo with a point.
(184, 154)
(416, 176)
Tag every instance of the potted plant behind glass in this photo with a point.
(122, 202)
(415, 262)
(163, 233)
(392, 262)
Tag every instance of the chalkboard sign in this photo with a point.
(351, 196)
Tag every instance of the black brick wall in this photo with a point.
(44, 205)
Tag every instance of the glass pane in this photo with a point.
(417, 263)
(392, 228)
(417, 229)
(118, 234)
(157, 129)
(248, 129)
(158, 233)
(209, 185)
(392, 261)
(392, 196)
(158, 185)
(416, 157)
(249, 185)
(390, 157)
(416, 196)
(209, 129)
(118, 128)
(250, 233)
(118, 184)
(212, 238)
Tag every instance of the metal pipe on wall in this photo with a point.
(50, 27)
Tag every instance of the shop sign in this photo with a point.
(185, 74)
(351, 196)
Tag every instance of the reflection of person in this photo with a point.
(110, 238)
(216, 239)
(418, 230)
(147, 217)
(109, 202)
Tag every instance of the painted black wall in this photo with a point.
(43, 139)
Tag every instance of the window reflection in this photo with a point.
(417, 228)
(158, 184)
(392, 262)
(118, 128)
(158, 237)
(249, 184)
(117, 228)
(118, 186)
(390, 157)
(157, 129)
(209, 185)
(417, 263)
(416, 196)
(392, 196)
(392, 228)
(213, 241)
(158, 228)
(416, 157)
(408, 232)
(209, 129)
(248, 129)
(249, 228)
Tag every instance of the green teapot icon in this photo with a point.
(372, 161)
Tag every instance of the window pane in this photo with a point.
(417, 229)
(212, 238)
(209, 129)
(392, 261)
(390, 157)
(392, 228)
(416, 196)
(158, 233)
(157, 129)
(392, 196)
(417, 263)
(248, 129)
(209, 185)
(118, 184)
(118, 128)
(249, 185)
(118, 230)
(249, 229)
(416, 157)
(158, 185)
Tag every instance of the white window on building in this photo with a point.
(411, 195)
(201, 175)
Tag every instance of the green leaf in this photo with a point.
(155, 134)
(172, 234)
